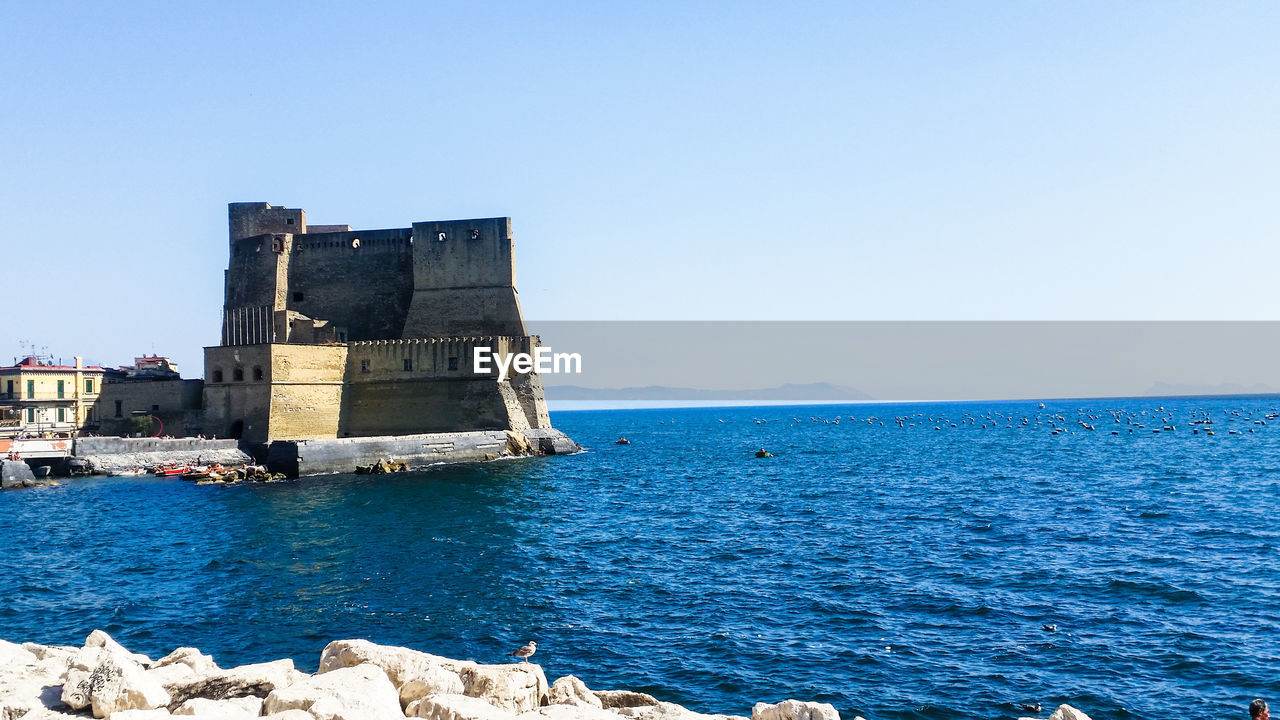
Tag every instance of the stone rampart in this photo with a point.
(104, 453)
(343, 455)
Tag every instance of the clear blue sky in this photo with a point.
(888, 160)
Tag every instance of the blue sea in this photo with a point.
(956, 560)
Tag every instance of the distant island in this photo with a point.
(788, 392)
(1176, 389)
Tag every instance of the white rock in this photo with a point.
(107, 679)
(611, 699)
(99, 638)
(456, 707)
(257, 680)
(568, 712)
(1066, 712)
(292, 715)
(46, 652)
(190, 657)
(362, 692)
(794, 710)
(517, 687)
(240, 707)
(141, 714)
(171, 676)
(13, 654)
(414, 674)
(569, 690)
(669, 711)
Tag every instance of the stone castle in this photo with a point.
(330, 332)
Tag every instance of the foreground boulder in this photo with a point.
(1066, 712)
(109, 681)
(241, 707)
(615, 699)
(414, 674)
(568, 712)
(30, 679)
(569, 690)
(794, 710)
(670, 711)
(198, 662)
(362, 692)
(256, 680)
(456, 707)
(517, 687)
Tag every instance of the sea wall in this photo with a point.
(356, 680)
(103, 453)
(296, 458)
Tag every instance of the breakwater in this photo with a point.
(103, 453)
(301, 458)
(356, 680)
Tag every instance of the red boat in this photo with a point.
(168, 470)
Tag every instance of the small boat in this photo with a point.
(622, 441)
(200, 472)
(762, 453)
(169, 470)
(126, 472)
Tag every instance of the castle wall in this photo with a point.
(427, 385)
(464, 280)
(176, 403)
(361, 281)
(306, 390)
(256, 218)
(237, 404)
(258, 271)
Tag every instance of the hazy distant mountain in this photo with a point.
(1164, 388)
(810, 391)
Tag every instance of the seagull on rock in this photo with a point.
(525, 651)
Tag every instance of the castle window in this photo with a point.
(364, 366)
(453, 363)
(155, 408)
(288, 221)
(217, 377)
(257, 374)
(408, 364)
(119, 410)
(238, 374)
(297, 297)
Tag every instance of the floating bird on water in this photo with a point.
(1049, 628)
(525, 651)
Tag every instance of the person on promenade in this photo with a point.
(1258, 710)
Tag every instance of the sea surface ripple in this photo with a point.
(953, 560)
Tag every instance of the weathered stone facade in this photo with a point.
(360, 333)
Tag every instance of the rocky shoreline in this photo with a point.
(356, 680)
